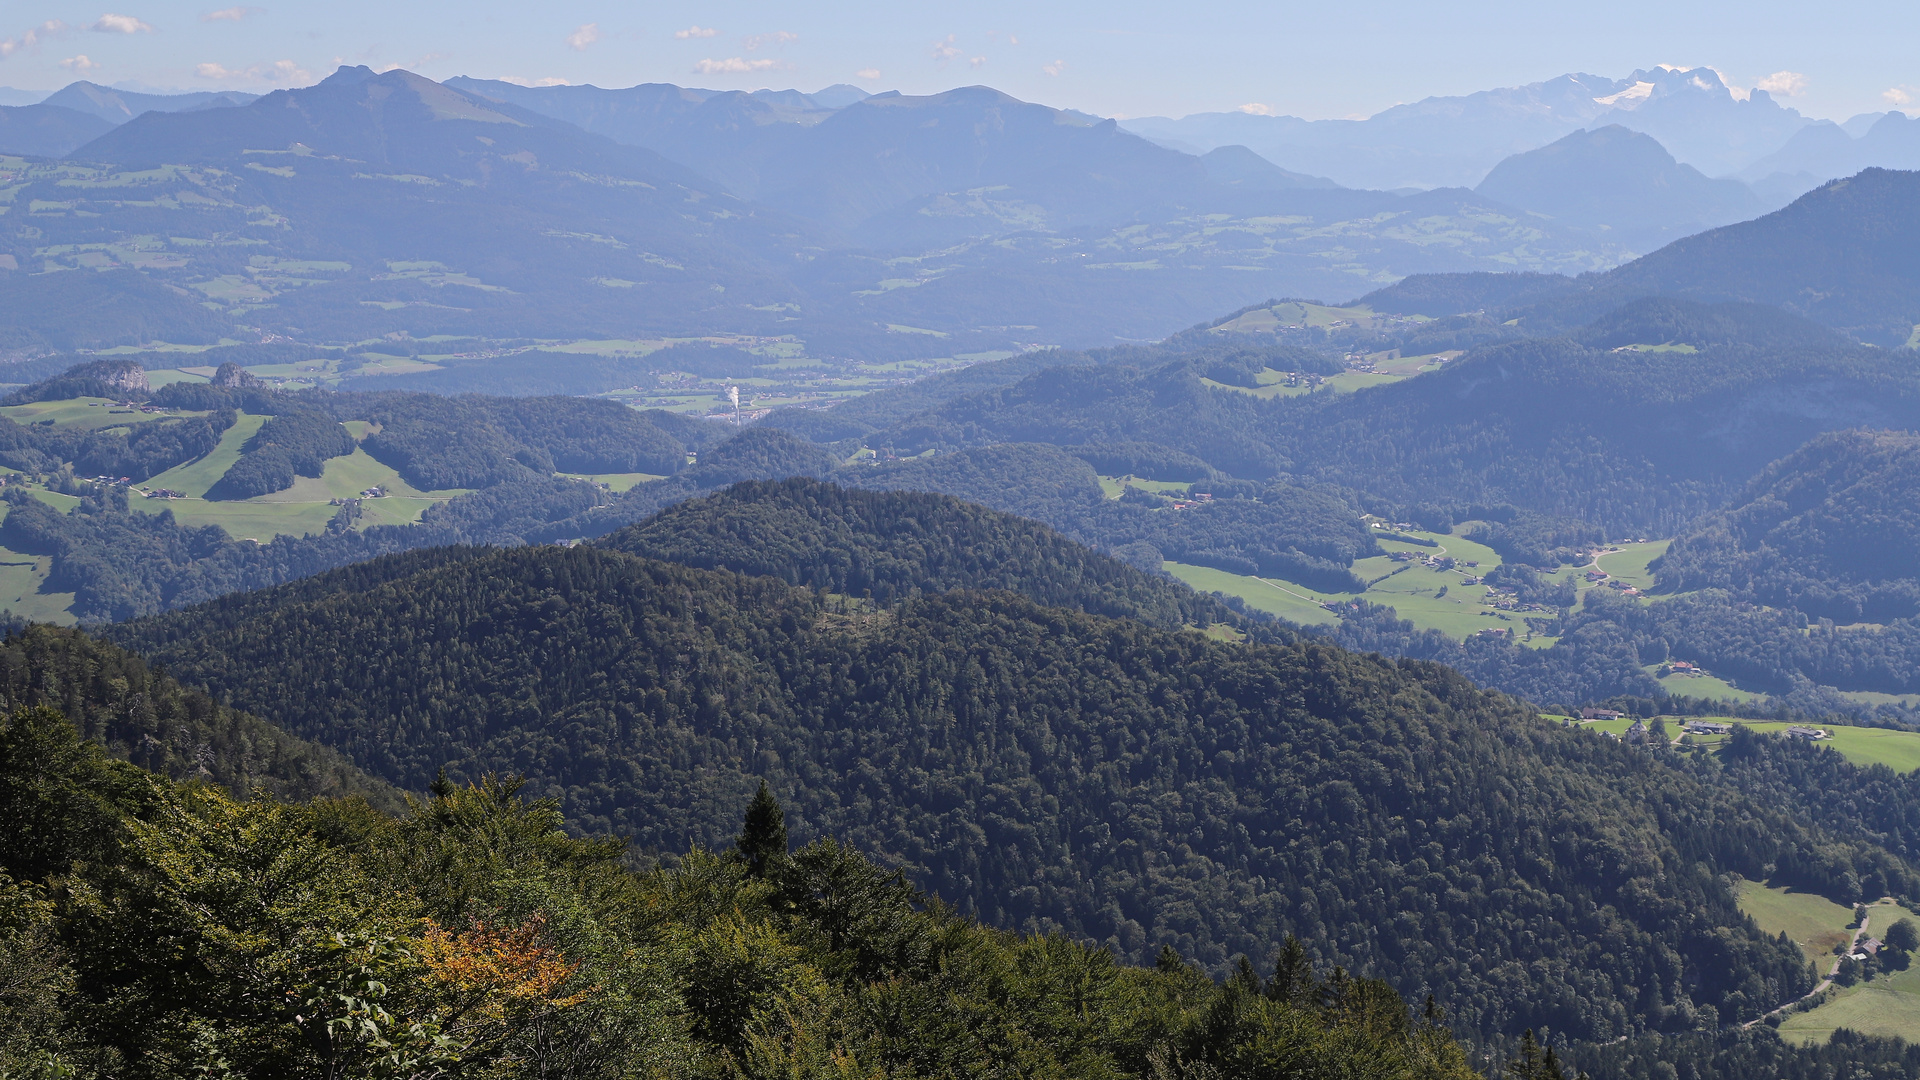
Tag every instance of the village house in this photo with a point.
(1808, 733)
(1600, 714)
(1706, 727)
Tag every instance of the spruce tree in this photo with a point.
(763, 836)
(1292, 980)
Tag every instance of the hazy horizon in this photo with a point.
(1122, 61)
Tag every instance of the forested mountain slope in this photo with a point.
(142, 715)
(888, 546)
(1624, 440)
(1049, 769)
(1831, 530)
(158, 933)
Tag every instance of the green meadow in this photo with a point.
(1896, 749)
(1429, 597)
(1814, 923)
(22, 577)
(1887, 1005)
(91, 414)
(301, 510)
(615, 482)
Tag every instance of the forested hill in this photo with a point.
(155, 932)
(887, 546)
(1832, 530)
(1049, 769)
(1628, 441)
(144, 716)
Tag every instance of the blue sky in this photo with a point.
(1115, 59)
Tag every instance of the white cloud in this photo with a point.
(1011, 40)
(1902, 95)
(1055, 68)
(1790, 83)
(945, 50)
(120, 24)
(79, 65)
(30, 39)
(583, 36)
(696, 31)
(778, 37)
(548, 81)
(232, 14)
(1254, 108)
(867, 73)
(977, 62)
(734, 65)
(280, 71)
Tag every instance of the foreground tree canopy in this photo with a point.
(153, 930)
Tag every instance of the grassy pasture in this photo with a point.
(301, 510)
(1814, 923)
(1412, 589)
(1898, 750)
(1888, 1005)
(195, 477)
(1705, 686)
(1116, 486)
(615, 481)
(89, 414)
(1629, 564)
(1290, 602)
(169, 376)
(22, 577)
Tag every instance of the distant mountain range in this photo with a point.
(860, 225)
(83, 111)
(893, 226)
(1841, 255)
(1455, 141)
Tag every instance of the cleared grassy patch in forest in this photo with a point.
(1897, 750)
(1702, 685)
(1887, 1005)
(301, 510)
(1814, 923)
(1290, 602)
(1629, 564)
(88, 413)
(1430, 597)
(615, 481)
(21, 579)
(195, 477)
(1116, 486)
